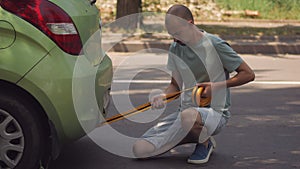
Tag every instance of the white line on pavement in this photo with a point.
(277, 82)
(168, 81)
(142, 81)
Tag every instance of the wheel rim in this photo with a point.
(11, 140)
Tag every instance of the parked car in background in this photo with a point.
(40, 42)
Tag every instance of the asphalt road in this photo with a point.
(264, 130)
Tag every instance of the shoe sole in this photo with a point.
(201, 161)
(213, 141)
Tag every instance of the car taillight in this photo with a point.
(48, 18)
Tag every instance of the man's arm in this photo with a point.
(244, 75)
(176, 83)
(174, 86)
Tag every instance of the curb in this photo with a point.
(242, 48)
(264, 44)
(271, 48)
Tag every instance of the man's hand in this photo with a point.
(158, 102)
(207, 89)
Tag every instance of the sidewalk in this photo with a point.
(241, 44)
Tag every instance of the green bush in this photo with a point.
(268, 9)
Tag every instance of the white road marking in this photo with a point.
(168, 81)
(277, 82)
(142, 81)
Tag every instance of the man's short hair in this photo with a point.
(181, 11)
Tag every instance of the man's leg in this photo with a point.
(166, 134)
(170, 132)
(142, 148)
(192, 120)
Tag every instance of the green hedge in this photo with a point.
(268, 9)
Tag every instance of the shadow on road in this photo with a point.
(264, 132)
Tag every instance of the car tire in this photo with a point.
(22, 137)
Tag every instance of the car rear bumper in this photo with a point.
(51, 82)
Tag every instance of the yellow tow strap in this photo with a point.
(196, 99)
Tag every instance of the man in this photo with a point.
(196, 58)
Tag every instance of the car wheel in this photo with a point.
(21, 134)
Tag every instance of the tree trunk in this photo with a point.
(127, 13)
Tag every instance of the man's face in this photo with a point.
(179, 29)
(179, 33)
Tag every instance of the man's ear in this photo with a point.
(191, 21)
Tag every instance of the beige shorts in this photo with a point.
(169, 129)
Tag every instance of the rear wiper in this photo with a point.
(93, 2)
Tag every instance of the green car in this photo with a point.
(40, 44)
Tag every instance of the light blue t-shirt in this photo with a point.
(211, 59)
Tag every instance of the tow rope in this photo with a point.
(196, 99)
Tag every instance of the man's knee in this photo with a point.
(143, 148)
(189, 117)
